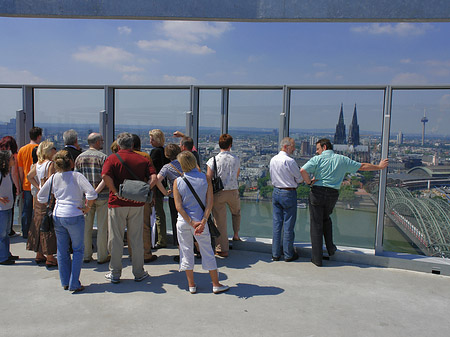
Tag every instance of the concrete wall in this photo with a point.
(234, 10)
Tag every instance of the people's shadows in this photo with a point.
(241, 259)
(246, 290)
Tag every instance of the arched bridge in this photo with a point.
(425, 221)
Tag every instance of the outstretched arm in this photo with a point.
(371, 167)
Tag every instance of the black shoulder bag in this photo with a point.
(136, 190)
(216, 180)
(213, 231)
(47, 221)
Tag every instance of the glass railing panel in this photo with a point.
(314, 115)
(58, 110)
(140, 110)
(11, 101)
(417, 217)
(209, 123)
(254, 119)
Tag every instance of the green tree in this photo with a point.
(263, 182)
(346, 193)
(266, 191)
(241, 190)
(302, 192)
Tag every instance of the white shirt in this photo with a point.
(284, 171)
(68, 188)
(42, 171)
(6, 191)
(227, 169)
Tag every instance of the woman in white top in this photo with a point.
(192, 222)
(6, 205)
(44, 244)
(69, 189)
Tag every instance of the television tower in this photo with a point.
(423, 120)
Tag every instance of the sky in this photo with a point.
(75, 51)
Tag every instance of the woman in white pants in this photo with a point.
(192, 220)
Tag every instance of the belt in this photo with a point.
(287, 188)
(324, 188)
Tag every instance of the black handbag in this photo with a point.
(216, 181)
(213, 231)
(136, 190)
(47, 221)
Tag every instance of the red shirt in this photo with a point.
(118, 173)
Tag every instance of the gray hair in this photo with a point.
(70, 137)
(94, 138)
(286, 141)
(125, 141)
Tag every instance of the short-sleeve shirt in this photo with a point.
(90, 164)
(6, 191)
(118, 173)
(329, 168)
(284, 171)
(25, 160)
(168, 171)
(227, 169)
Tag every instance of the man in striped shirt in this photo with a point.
(90, 164)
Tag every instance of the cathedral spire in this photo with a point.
(353, 131)
(339, 136)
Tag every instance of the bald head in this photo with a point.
(95, 140)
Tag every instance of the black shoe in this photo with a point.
(176, 258)
(8, 262)
(151, 259)
(158, 246)
(331, 253)
(293, 258)
(275, 258)
(316, 263)
(13, 257)
(87, 260)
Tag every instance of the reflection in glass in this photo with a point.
(351, 119)
(418, 185)
(11, 101)
(58, 110)
(139, 111)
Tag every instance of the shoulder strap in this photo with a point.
(215, 167)
(50, 192)
(127, 167)
(194, 193)
(181, 174)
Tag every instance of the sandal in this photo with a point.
(50, 264)
(40, 261)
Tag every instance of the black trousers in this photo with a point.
(321, 204)
(173, 218)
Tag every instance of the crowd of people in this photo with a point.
(79, 185)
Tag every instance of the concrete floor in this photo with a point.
(266, 299)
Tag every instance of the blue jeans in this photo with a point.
(5, 220)
(284, 215)
(27, 212)
(67, 230)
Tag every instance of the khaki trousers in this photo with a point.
(100, 207)
(147, 231)
(132, 218)
(221, 199)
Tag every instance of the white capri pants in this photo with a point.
(186, 236)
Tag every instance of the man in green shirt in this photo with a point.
(328, 171)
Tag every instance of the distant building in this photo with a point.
(353, 131)
(305, 148)
(400, 138)
(339, 136)
(8, 128)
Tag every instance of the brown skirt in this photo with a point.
(44, 243)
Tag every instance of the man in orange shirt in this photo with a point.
(25, 160)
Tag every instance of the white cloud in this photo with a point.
(133, 78)
(110, 57)
(102, 55)
(124, 30)
(174, 45)
(406, 61)
(179, 79)
(409, 79)
(186, 36)
(400, 29)
(11, 76)
(319, 65)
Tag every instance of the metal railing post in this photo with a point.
(28, 109)
(224, 110)
(195, 106)
(383, 173)
(107, 118)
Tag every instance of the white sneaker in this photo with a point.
(109, 276)
(141, 278)
(193, 289)
(221, 289)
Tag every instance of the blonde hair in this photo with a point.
(44, 151)
(158, 136)
(62, 161)
(114, 147)
(187, 161)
